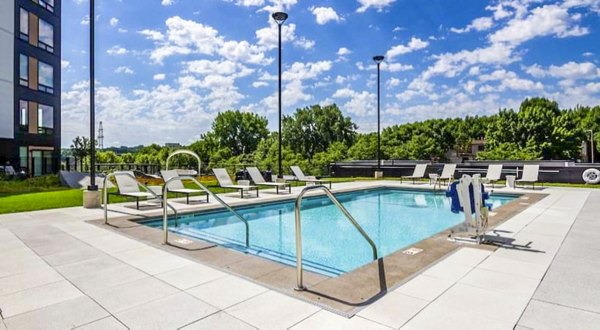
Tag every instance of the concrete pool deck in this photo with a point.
(62, 272)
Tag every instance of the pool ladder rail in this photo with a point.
(105, 194)
(299, 269)
(210, 193)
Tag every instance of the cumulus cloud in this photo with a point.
(361, 103)
(124, 69)
(570, 70)
(114, 21)
(117, 50)
(413, 45)
(377, 4)
(167, 2)
(323, 15)
(478, 24)
(159, 76)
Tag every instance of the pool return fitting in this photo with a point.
(299, 270)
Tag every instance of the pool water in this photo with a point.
(393, 218)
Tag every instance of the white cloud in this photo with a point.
(167, 2)
(548, 20)
(122, 30)
(184, 37)
(152, 34)
(85, 20)
(114, 21)
(304, 71)
(378, 4)
(343, 51)
(324, 15)
(359, 103)
(413, 45)
(124, 69)
(159, 76)
(117, 50)
(64, 64)
(258, 84)
(570, 70)
(478, 24)
(304, 43)
(588, 54)
(393, 82)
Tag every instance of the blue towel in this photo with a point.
(455, 207)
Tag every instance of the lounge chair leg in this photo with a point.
(137, 203)
(256, 192)
(242, 193)
(187, 198)
(277, 190)
(207, 200)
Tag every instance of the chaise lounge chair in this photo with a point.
(177, 187)
(259, 180)
(447, 173)
(530, 175)
(418, 173)
(494, 172)
(129, 187)
(303, 178)
(225, 182)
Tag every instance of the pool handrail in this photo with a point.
(299, 270)
(213, 195)
(105, 193)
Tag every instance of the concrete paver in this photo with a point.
(53, 262)
(65, 315)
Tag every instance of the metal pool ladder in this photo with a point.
(300, 286)
(210, 193)
(105, 193)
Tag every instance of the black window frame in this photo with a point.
(41, 44)
(45, 4)
(42, 87)
(23, 36)
(23, 127)
(23, 81)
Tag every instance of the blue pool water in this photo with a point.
(393, 218)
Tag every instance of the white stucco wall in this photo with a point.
(7, 44)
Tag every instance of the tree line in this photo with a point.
(315, 136)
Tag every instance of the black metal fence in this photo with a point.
(550, 171)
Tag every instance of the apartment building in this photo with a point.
(30, 63)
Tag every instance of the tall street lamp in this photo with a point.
(592, 144)
(92, 186)
(91, 197)
(280, 18)
(378, 59)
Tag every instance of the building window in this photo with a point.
(45, 119)
(45, 77)
(24, 115)
(48, 4)
(23, 70)
(24, 24)
(23, 157)
(46, 36)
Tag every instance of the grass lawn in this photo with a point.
(47, 193)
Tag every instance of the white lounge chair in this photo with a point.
(303, 178)
(9, 170)
(494, 173)
(177, 187)
(225, 182)
(129, 187)
(530, 174)
(418, 173)
(447, 173)
(259, 180)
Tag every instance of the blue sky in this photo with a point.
(165, 68)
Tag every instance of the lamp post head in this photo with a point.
(378, 59)
(279, 17)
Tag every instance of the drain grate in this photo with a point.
(412, 251)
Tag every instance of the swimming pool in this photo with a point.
(393, 218)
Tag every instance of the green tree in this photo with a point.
(108, 157)
(80, 149)
(365, 147)
(312, 129)
(240, 131)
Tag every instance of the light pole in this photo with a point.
(92, 186)
(280, 17)
(592, 143)
(378, 59)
